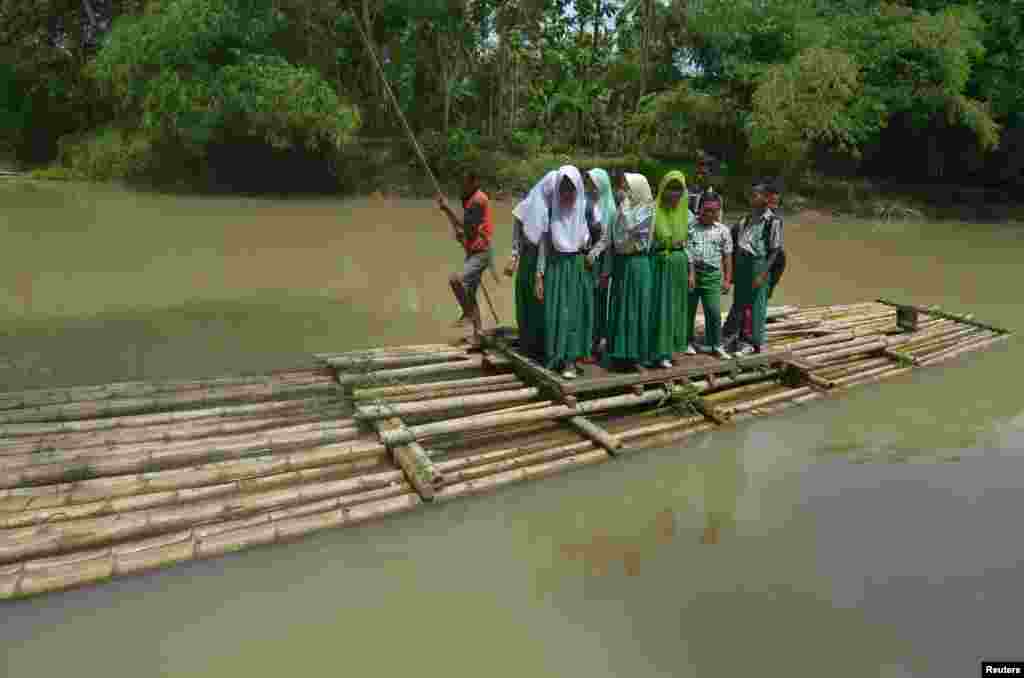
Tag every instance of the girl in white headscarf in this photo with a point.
(562, 283)
(530, 224)
(630, 317)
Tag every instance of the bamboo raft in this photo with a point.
(98, 482)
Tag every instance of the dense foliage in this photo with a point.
(924, 89)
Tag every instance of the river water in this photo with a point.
(874, 535)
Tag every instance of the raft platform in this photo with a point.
(98, 482)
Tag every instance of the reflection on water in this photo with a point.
(838, 535)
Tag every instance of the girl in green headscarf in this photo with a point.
(670, 270)
(598, 258)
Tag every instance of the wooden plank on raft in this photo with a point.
(610, 443)
(686, 367)
(413, 460)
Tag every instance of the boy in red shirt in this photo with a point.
(474, 234)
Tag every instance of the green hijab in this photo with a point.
(605, 197)
(671, 224)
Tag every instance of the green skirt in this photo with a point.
(568, 310)
(529, 311)
(748, 267)
(629, 323)
(601, 297)
(670, 294)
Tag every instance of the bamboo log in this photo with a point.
(589, 429)
(413, 461)
(321, 432)
(95, 498)
(490, 421)
(385, 392)
(966, 348)
(162, 433)
(384, 351)
(38, 576)
(166, 418)
(797, 346)
(380, 411)
(854, 348)
(137, 389)
(305, 449)
(786, 394)
(368, 363)
(72, 535)
(108, 408)
(410, 372)
(923, 349)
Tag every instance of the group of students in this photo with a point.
(604, 267)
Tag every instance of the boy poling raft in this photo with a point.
(606, 271)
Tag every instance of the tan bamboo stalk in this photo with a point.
(504, 380)
(190, 427)
(379, 411)
(175, 417)
(366, 363)
(389, 350)
(410, 372)
(872, 376)
(304, 448)
(195, 430)
(866, 344)
(135, 389)
(925, 349)
(318, 432)
(108, 408)
(786, 394)
(72, 535)
(843, 370)
(491, 421)
(812, 343)
(62, 572)
(964, 348)
(109, 495)
(951, 334)
(452, 393)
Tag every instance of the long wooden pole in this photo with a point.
(416, 145)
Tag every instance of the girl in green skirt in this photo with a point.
(670, 271)
(601, 213)
(629, 322)
(562, 283)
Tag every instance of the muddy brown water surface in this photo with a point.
(877, 534)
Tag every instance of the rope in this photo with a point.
(416, 146)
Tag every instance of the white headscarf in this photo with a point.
(540, 211)
(534, 211)
(640, 198)
(569, 230)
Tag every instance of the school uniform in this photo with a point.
(705, 247)
(630, 312)
(759, 234)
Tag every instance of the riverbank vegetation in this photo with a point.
(281, 95)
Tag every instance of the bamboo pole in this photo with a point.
(319, 432)
(161, 418)
(491, 421)
(301, 453)
(108, 408)
(966, 348)
(60, 396)
(164, 434)
(380, 411)
(409, 372)
(384, 351)
(454, 384)
(358, 364)
(112, 495)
